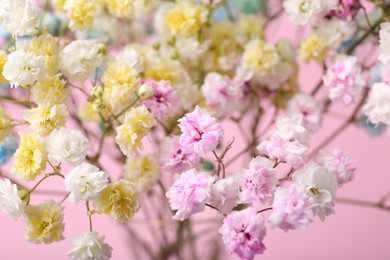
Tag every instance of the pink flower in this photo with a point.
(276, 148)
(339, 164)
(293, 208)
(346, 10)
(189, 193)
(200, 132)
(309, 108)
(173, 158)
(224, 194)
(164, 100)
(243, 233)
(259, 182)
(344, 80)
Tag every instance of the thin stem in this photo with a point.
(89, 213)
(363, 203)
(263, 210)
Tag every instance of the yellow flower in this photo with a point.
(260, 57)
(48, 47)
(59, 5)
(5, 124)
(252, 27)
(44, 222)
(87, 113)
(45, 118)
(313, 48)
(161, 70)
(138, 123)
(121, 83)
(3, 60)
(186, 19)
(31, 157)
(120, 8)
(81, 13)
(120, 199)
(50, 91)
(142, 171)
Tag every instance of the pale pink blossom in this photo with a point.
(173, 158)
(225, 194)
(291, 127)
(164, 101)
(259, 182)
(200, 132)
(307, 106)
(346, 9)
(243, 233)
(344, 80)
(339, 164)
(189, 193)
(292, 209)
(377, 107)
(276, 148)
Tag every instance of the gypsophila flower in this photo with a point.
(142, 171)
(10, 202)
(243, 233)
(333, 32)
(84, 182)
(23, 69)
(377, 107)
(189, 193)
(81, 13)
(384, 42)
(200, 132)
(291, 127)
(67, 145)
(90, 246)
(303, 11)
(225, 194)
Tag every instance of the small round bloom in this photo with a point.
(120, 8)
(120, 199)
(377, 107)
(10, 202)
(225, 194)
(142, 171)
(339, 164)
(50, 91)
(333, 32)
(344, 80)
(44, 222)
(67, 145)
(23, 69)
(303, 11)
(84, 182)
(313, 48)
(260, 57)
(173, 158)
(189, 193)
(200, 132)
(384, 43)
(293, 208)
(243, 233)
(291, 127)
(259, 182)
(81, 13)
(89, 246)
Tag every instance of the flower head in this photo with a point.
(10, 202)
(142, 171)
(90, 246)
(377, 107)
(225, 194)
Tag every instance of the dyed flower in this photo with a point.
(3, 60)
(260, 57)
(10, 202)
(243, 233)
(137, 124)
(259, 182)
(120, 199)
(120, 8)
(384, 43)
(189, 193)
(19, 17)
(173, 158)
(346, 10)
(293, 208)
(303, 11)
(23, 69)
(277, 148)
(84, 182)
(81, 13)
(377, 107)
(44, 222)
(31, 157)
(290, 127)
(67, 145)
(164, 100)
(200, 132)
(321, 185)
(333, 32)
(142, 171)
(307, 106)
(313, 48)
(339, 164)
(50, 91)
(79, 59)
(90, 246)
(225, 194)
(344, 80)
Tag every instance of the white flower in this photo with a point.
(303, 11)
(190, 47)
(334, 31)
(131, 57)
(67, 145)
(89, 246)
(320, 184)
(19, 17)
(225, 194)
(291, 127)
(84, 182)
(384, 43)
(377, 107)
(79, 59)
(10, 202)
(23, 69)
